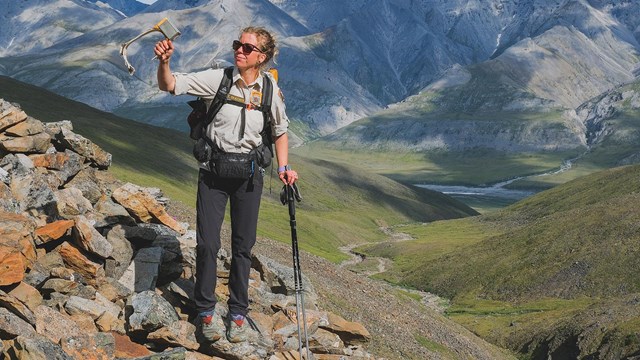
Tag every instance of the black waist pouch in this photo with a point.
(263, 156)
(197, 118)
(202, 150)
(233, 165)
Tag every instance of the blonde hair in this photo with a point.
(266, 42)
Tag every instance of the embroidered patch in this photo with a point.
(256, 97)
(235, 98)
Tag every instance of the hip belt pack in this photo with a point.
(164, 26)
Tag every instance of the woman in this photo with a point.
(252, 51)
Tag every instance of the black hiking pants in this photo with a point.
(244, 197)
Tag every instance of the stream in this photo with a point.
(496, 195)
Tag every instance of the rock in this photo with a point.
(7, 202)
(249, 350)
(33, 191)
(10, 115)
(87, 181)
(280, 279)
(113, 290)
(148, 312)
(26, 294)
(61, 286)
(184, 289)
(173, 354)
(53, 231)
(38, 143)
(127, 349)
(179, 333)
(85, 322)
(65, 165)
(49, 261)
(76, 260)
(37, 347)
(81, 145)
(77, 305)
(188, 252)
(99, 346)
(109, 213)
(17, 250)
(142, 273)
(55, 325)
(171, 262)
(144, 207)
(17, 307)
(325, 342)
(110, 307)
(12, 265)
(55, 128)
(71, 203)
(350, 332)
(89, 239)
(12, 325)
(122, 253)
(17, 165)
(29, 126)
(35, 278)
(108, 322)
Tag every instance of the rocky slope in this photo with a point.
(93, 268)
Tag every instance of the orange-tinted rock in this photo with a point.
(53, 231)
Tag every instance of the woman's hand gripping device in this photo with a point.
(164, 26)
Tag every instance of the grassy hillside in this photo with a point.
(342, 204)
(578, 239)
(555, 264)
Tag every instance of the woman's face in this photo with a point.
(248, 59)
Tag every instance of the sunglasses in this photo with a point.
(246, 47)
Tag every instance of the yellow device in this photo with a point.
(164, 26)
(274, 73)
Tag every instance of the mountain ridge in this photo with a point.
(357, 59)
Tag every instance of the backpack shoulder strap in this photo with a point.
(221, 94)
(267, 93)
(265, 105)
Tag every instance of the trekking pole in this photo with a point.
(291, 194)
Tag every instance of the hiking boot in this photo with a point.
(238, 330)
(211, 327)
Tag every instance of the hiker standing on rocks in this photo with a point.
(252, 51)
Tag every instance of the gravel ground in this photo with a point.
(401, 328)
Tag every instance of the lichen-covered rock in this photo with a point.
(148, 312)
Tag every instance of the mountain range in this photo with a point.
(341, 61)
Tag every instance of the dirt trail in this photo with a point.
(431, 300)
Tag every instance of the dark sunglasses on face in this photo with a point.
(246, 47)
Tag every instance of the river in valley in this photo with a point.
(481, 198)
(487, 198)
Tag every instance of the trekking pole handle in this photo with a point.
(292, 204)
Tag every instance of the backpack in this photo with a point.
(200, 118)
